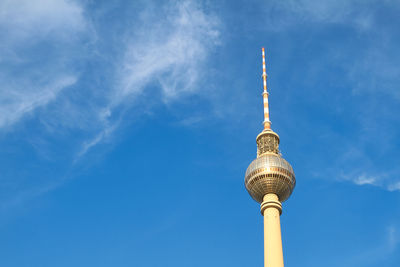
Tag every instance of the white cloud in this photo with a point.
(42, 43)
(362, 180)
(386, 181)
(40, 75)
(393, 237)
(168, 51)
(40, 78)
(22, 19)
(23, 98)
(346, 12)
(394, 186)
(105, 133)
(23, 195)
(35, 61)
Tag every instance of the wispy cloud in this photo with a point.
(42, 43)
(386, 181)
(394, 186)
(361, 168)
(46, 47)
(22, 19)
(169, 50)
(362, 180)
(105, 133)
(33, 69)
(393, 237)
(357, 14)
(166, 55)
(331, 12)
(23, 98)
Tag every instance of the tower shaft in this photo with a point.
(271, 208)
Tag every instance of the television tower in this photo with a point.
(270, 180)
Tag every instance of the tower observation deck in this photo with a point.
(270, 180)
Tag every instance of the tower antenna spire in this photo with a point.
(266, 122)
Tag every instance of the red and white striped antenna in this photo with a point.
(267, 122)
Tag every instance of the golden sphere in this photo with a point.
(270, 174)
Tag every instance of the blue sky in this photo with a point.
(126, 128)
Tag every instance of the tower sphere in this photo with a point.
(270, 173)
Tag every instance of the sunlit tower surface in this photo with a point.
(270, 181)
